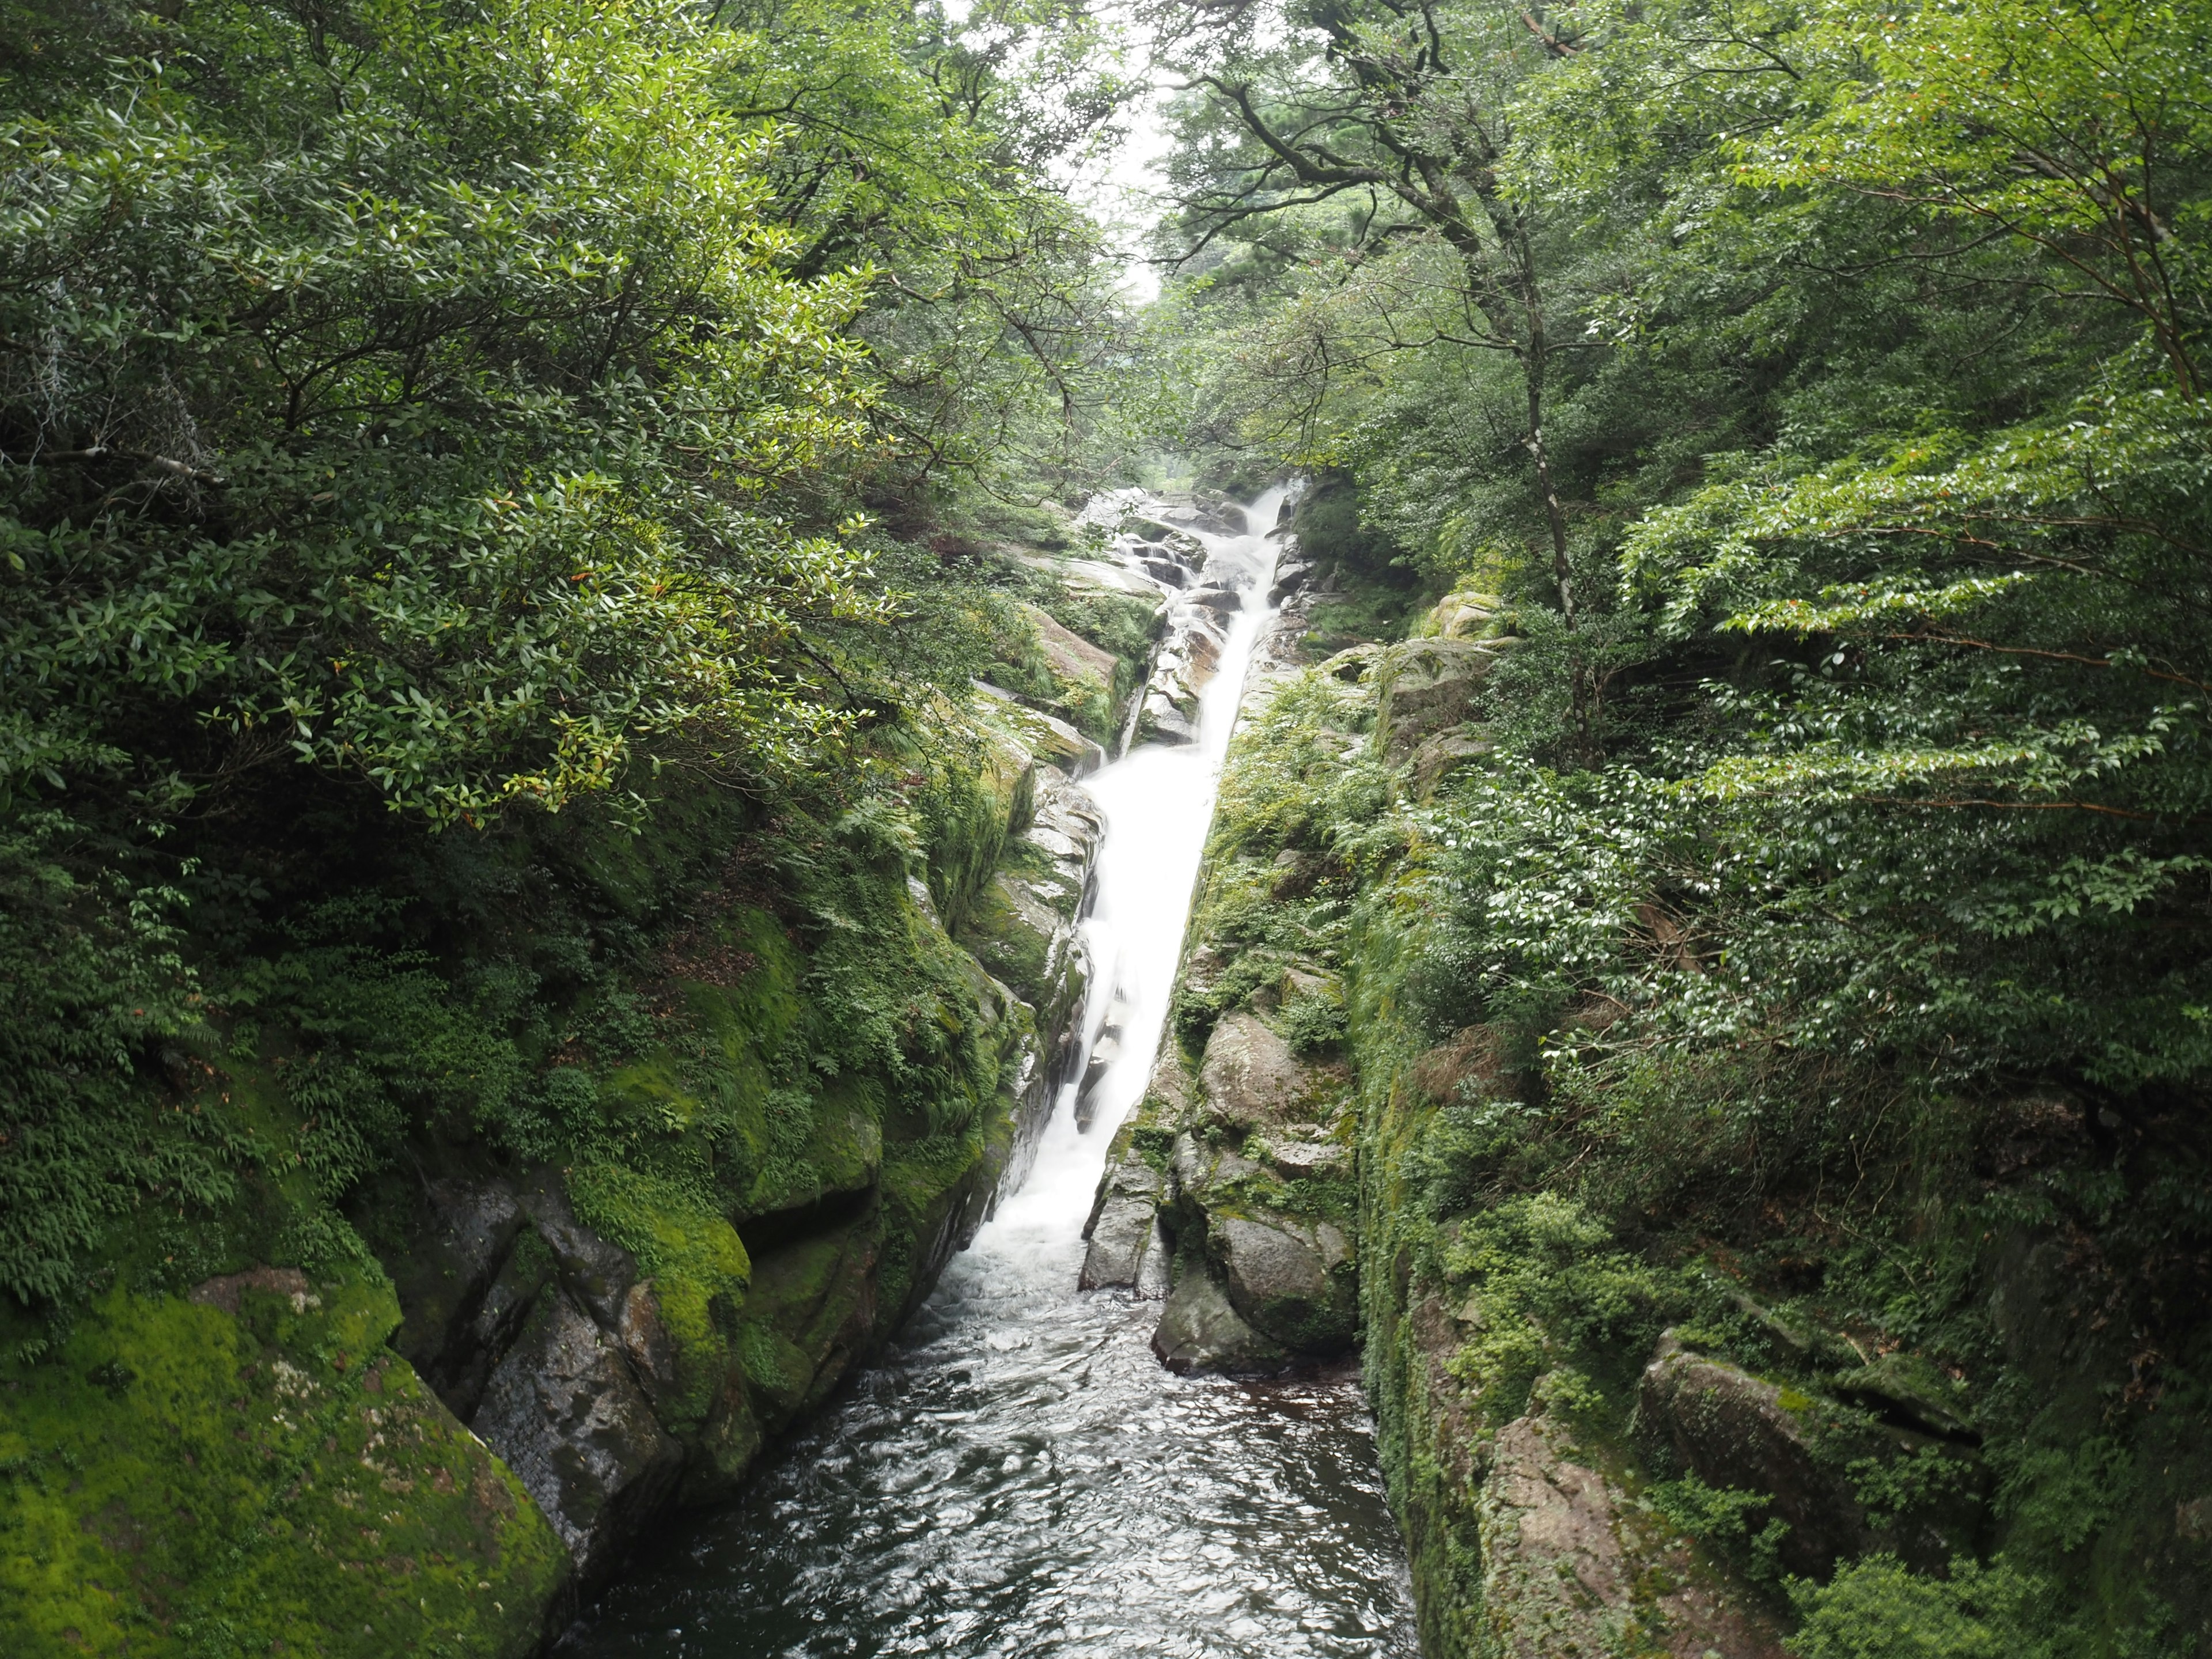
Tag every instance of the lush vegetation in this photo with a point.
(497, 506)
(500, 506)
(1817, 394)
(434, 427)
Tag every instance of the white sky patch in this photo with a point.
(1125, 190)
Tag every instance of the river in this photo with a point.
(1020, 1478)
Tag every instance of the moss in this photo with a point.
(696, 1263)
(179, 1479)
(1004, 943)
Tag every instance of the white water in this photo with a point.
(1158, 803)
(1022, 1478)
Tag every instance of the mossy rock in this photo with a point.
(252, 1470)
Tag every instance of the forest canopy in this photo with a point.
(434, 421)
(1824, 386)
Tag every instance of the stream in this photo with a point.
(1019, 1476)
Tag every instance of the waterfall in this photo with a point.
(1158, 803)
(1021, 1477)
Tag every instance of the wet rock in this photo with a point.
(1249, 1075)
(1200, 1330)
(810, 1310)
(1163, 722)
(475, 1345)
(1282, 1277)
(1426, 686)
(1220, 599)
(1222, 517)
(1122, 1229)
(563, 1411)
(596, 1271)
(1291, 575)
(1105, 1054)
(646, 1342)
(1167, 572)
(455, 1253)
(924, 902)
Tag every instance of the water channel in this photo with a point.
(1020, 1478)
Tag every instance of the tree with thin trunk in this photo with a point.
(1409, 104)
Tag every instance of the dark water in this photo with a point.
(1023, 1478)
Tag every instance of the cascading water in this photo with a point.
(1022, 1478)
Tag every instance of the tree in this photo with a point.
(1413, 108)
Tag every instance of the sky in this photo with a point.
(1123, 189)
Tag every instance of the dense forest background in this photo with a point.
(440, 438)
(472, 468)
(1817, 391)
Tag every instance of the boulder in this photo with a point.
(1465, 615)
(1072, 656)
(1425, 686)
(1249, 1075)
(1281, 1276)
(1352, 664)
(1223, 516)
(1220, 599)
(1122, 1229)
(1736, 1430)
(1307, 1160)
(563, 1411)
(1440, 755)
(1200, 1330)
(1163, 722)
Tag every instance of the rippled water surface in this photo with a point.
(1021, 1477)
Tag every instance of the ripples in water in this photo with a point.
(1023, 1479)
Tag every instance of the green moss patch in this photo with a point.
(178, 1479)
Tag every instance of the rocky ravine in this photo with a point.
(490, 1373)
(1239, 1194)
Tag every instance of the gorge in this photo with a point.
(770, 882)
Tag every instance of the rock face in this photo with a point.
(1810, 1454)
(1249, 1076)
(613, 1393)
(565, 1412)
(1254, 1278)
(1570, 1567)
(1200, 1330)
(1427, 686)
